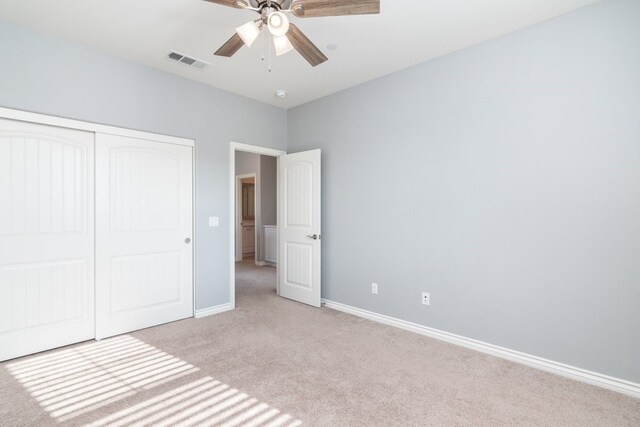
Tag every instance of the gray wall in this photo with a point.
(268, 189)
(51, 76)
(504, 179)
(268, 198)
(247, 163)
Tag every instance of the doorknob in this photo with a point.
(313, 236)
(187, 240)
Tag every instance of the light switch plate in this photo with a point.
(214, 221)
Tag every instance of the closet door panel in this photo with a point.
(46, 237)
(143, 232)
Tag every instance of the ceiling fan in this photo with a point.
(286, 35)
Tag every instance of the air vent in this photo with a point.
(187, 60)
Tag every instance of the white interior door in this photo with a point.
(46, 237)
(299, 227)
(144, 256)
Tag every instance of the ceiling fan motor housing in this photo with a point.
(274, 3)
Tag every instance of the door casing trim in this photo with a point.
(45, 119)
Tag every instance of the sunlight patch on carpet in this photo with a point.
(75, 381)
(71, 382)
(205, 402)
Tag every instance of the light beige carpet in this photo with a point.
(273, 362)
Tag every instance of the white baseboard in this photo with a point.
(213, 310)
(605, 381)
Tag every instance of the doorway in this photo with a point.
(246, 212)
(254, 204)
(297, 234)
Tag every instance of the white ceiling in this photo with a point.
(405, 33)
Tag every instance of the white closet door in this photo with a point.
(46, 237)
(144, 257)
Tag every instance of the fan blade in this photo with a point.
(314, 8)
(239, 4)
(231, 46)
(304, 46)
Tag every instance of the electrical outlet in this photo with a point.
(426, 298)
(374, 288)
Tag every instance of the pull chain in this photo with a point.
(264, 45)
(269, 53)
(267, 45)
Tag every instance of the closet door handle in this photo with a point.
(313, 236)
(187, 240)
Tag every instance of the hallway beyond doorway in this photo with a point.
(253, 281)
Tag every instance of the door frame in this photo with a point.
(238, 217)
(48, 119)
(256, 149)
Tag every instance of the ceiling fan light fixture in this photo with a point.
(282, 45)
(278, 23)
(248, 32)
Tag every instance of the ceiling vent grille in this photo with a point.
(187, 60)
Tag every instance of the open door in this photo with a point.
(299, 227)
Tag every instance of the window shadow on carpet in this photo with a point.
(76, 381)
